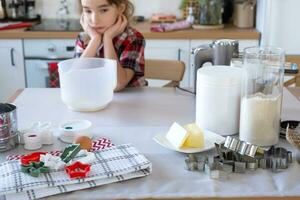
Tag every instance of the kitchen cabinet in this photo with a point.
(39, 53)
(194, 43)
(169, 50)
(12, 67)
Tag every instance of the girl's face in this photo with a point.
(100, 15)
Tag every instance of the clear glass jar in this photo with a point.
(211, 12)
(262, 95)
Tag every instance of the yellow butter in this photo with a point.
(195, 136)
(177, 135)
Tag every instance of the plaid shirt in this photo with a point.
(129, 47)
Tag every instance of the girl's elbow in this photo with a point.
(119, 87)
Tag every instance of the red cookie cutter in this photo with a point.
(33, 157)
(78, 170)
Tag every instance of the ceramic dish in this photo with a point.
(210, 139)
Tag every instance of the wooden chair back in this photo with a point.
(172, 70)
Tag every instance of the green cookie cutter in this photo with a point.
(34, 169)
(70, 152)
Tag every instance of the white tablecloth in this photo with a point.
(151, 112)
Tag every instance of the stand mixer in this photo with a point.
(220, 52)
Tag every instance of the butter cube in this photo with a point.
(177, 135)
(195, 136)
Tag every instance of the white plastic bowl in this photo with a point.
(87, 84)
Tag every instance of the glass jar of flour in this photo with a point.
(261, 95)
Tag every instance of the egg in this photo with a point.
(84, 142)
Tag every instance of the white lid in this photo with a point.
(219, 75)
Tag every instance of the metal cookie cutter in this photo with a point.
(194, 163)
(278, 158)
(242, 147)
(217, 170)
(210, 165)
(255, 156)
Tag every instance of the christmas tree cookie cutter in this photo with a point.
(70, 152)
(34, 169)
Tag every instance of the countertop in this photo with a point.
(229, 32)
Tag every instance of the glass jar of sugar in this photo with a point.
(218, 96)
(263, 70)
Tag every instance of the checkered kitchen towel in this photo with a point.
(114, 164)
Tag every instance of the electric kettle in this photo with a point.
(87, 84)
(220, 52)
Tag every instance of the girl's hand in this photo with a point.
(117, 28)
(88, 29)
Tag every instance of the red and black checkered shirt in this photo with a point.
(129, 46)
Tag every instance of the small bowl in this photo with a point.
(69, 130)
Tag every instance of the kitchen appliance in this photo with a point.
(220, 52)
(218, 99)
(40, 53)
(57, 25)
(9, 135)
(87, 84)
(22, 10)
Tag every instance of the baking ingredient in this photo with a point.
(177, 135)
(218, 99)
(195, 138)
(260, 119)
(84, 142)
(32, 141)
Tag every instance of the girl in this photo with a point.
(107, 35)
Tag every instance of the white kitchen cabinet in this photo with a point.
(169, 50)
(195, 43)
(12, 67)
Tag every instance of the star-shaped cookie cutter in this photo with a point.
(33, 157)
(78, 170)
(34, 169)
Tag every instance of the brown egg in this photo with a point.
(84, 142)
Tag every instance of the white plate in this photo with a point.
(210, 138)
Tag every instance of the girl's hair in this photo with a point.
(129, 6)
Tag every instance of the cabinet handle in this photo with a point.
(12, 60)
(70, 48)
(179, 54)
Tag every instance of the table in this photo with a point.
(135, 116)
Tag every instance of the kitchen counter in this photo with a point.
(229, 32)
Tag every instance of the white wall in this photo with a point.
(148, 7)
(142, 7)
(48, 9)
(280, 24)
